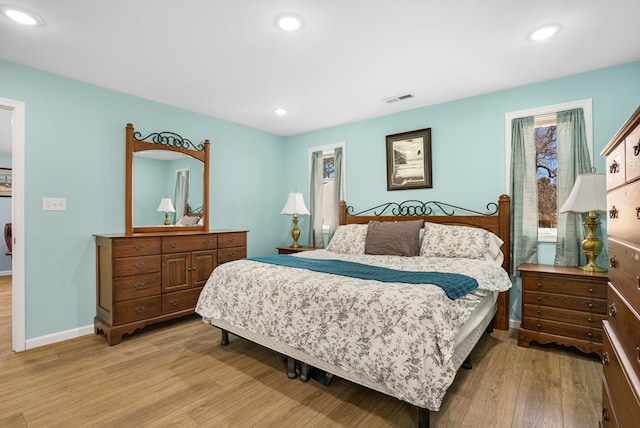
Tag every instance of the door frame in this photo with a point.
(18, 337)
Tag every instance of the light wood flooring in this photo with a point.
(177, 375)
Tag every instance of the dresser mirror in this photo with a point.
(167, 183)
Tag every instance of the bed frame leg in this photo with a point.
(291, 368)
(304, 371)
(423, 417)
(225, 338)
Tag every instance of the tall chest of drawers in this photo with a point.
(146, 279)
(562, 305)
(621, 356)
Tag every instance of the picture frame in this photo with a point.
(409, 160)
(6, 182)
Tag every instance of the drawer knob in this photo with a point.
(605, 358)
(139, 265)
(636, 149)
(231, 240)
(614, 167)
(613, 263)
(538, 312)
(590, 305)
(591, 290)
(207, 242)
(139, 246)
(539, 285)
(613, 212)
(605, 414)
(139, 309)
(539, 299)
(612, 310)
(638, 354)
(174, 302)
(589, 319)
(590, 334)
(233, 254)
(638, 213)
(194, 267)
(173, 244)
(139, 285)
(538, 325)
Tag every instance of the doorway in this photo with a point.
(16, 123)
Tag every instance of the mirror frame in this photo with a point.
(171, 142)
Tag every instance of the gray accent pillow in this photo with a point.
(400, 238)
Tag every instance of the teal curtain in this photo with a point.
(315, 201)
(524, 194)
(573, 159)
(337, 191)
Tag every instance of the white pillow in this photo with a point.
(349, 239)
(442, 240)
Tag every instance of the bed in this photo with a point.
(366, 308)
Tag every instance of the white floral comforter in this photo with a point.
(400, 335)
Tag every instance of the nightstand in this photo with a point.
(563, 305)
(289, 250)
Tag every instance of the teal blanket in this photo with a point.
(454, 284)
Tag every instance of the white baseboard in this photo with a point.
(59, 337)
(6, 273)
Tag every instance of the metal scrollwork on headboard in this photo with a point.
(170, 139)
(414, 207)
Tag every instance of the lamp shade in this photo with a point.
(295, 205)
(588, 194)
(166, 206)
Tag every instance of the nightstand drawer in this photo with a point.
(585, 304)
(136, 310)
(624, 321)
(236, 239)
(230, 254)
(136, 286)
(136, 265)
(562, 329)
(560, 285)
(135, 247)
(586, 319)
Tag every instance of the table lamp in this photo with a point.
(295, 206)
(589, 195)
(167, 207)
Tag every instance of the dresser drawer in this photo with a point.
(624, 270)
(231, 254)
(623, 205)
(585, 304)
(564, 315)
(625, 323)
(234, 239)
(621, 392)
(609, 419)
(136, 310)
(632, 155)
(180, 300)
(561, 329)
(136, 265)
(616, 167)
(179, 244)
(586, 287)
(136, 286)
(131, 247)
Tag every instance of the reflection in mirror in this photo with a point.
(165, 165)
(160, 174)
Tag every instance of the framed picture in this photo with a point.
(5, 182)
(409, 160)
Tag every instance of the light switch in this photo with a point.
(54, 204)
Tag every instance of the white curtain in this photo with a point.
(181, 196)
(337, 191)
(315, 201)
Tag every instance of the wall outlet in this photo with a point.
(54, 204)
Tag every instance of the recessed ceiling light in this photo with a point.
(21, 15)
(281, 111)
(289, 22)
(544, 32)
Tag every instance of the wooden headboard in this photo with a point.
(497, 219)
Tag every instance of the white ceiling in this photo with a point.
(227, 59)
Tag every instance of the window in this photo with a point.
(545, 138)
(328, 169)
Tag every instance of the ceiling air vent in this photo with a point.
(397, 98)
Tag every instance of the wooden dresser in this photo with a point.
(621, 356)
(149, 278)
(562, 305)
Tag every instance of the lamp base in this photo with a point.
(295, 232)
(592, 268)
(592, 245)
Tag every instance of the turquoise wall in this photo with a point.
(468, 142)
(75, 148)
